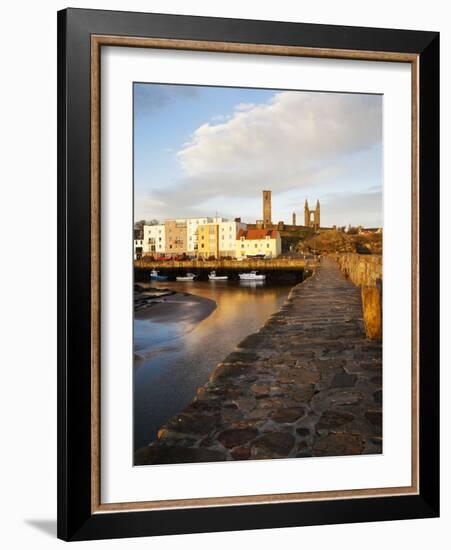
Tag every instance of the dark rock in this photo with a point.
(235, 437)
(253, 341)
(241, 453)
(338, 444)
(246, 403)
(374, 417)
(303, 432)
(303, 394)
(343, 380)
(165, 454)
(246, 423)
(279, 443)
(205, 405)
(230, 370)
(241, 357)
(298, 376)
(142, 456)
(192, 423)
(377, 396)
(371, 366)
(303, 450)
(334, 419)
(260, 390)
(288, 414)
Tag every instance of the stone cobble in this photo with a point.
(308, 384)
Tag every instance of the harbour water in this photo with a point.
(176, 352)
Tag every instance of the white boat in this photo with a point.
(154, 275)
(187, 277)
(252, 276)
(213, 277)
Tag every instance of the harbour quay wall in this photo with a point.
(365, 271)
(277, 269)
(233, 265)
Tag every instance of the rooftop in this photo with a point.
(255, 234)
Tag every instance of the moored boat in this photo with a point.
(187, 277)
(252, 276)
(156, 277)
(213, 277)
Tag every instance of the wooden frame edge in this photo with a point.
(98, 40)
(95, 276)
(262, 49)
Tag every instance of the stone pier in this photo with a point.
(309, 383)
(366, 271)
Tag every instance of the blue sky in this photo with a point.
(199, 151)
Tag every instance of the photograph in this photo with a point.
(256, 249)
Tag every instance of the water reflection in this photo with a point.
(175, 358)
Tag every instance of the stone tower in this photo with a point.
(317, 215)
(316, 222)
(267, 208)
(294, 218)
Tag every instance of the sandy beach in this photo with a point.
(174, 306)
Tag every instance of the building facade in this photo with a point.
(208, 241)
(227, 233)
(253, 242)
(154, 237)
(137, 244)
(176, 237)
(192, 225)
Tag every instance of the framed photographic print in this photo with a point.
(248, 274)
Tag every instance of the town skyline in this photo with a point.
(201, 151)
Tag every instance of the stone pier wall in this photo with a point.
(361, 269)
(365, 271)
(308, 383)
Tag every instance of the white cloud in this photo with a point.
(283, 142)
(299, 139)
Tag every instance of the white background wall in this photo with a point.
(27, 289)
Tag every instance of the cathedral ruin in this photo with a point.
(312, 217)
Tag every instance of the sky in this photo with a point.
(206, 151)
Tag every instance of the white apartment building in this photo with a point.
(154, 240)
(227, 233)
(192, 225)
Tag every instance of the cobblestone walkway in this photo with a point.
(307, 384)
